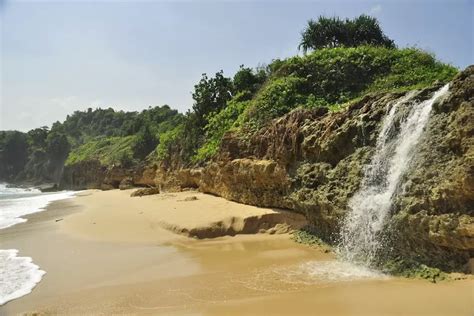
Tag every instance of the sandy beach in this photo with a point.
(107, 253)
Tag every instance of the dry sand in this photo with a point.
(110, 254)
(189, 213)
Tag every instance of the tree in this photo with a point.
(13, 153)
(246, 79)
(145, 143)
(57, 146)
(211, 95)
(38, 137)
(334, 32)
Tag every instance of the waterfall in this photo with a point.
(369, 208)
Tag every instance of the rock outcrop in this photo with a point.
(311, 161)
(92, 174)
(250, 181)
(145, 191)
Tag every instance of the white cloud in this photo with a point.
(375, 9)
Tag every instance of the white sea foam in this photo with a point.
(17, 202)
(283, 278)
(18, 275)
(337, 271)
(326, 272)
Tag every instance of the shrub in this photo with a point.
(334, 32)
(332, 77)
(145, 142)
(278, 97)
(108, 150)
(219, 124)
(170, 142)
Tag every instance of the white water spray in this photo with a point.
(370, 206)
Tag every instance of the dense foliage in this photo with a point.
(197, 138)
(112, 137)
(13, 152)
(326, 77)
(336, 76)
(114, 150)
(334, 32)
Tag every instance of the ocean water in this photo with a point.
(18, 274)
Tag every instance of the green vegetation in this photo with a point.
(219, 123)
(339, 75)
(397, 266)
(13, 152)
(202, 133)
(326, 77)
(112, 137)
(412, 269)
(348, 59)
(113, 150)
(169, 143)
(308, 237)
(334, 32)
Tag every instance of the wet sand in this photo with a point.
(111, 255)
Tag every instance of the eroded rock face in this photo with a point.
(249, 181)
(93, 175)
(434, 208)
(312, 162)
(84, 175)
(316, 160)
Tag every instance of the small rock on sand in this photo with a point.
(190, 198)
(145, 191)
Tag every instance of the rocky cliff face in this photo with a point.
(311, 161)
(93, 175)
(433, 212)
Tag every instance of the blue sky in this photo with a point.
(57, 57)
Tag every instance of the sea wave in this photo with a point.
(17, 202)
(19, 275)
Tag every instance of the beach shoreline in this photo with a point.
(105, 252)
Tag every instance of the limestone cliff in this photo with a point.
(93, 175)
(311, 161)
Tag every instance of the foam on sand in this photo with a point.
(17, 202)
(18, 275)
(337, 271)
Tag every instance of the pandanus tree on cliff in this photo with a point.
(333, 32)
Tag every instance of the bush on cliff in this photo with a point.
(333, 32)
(326, 77)
(108, 150)
(211, 95)
(336, 76)
(145, 142)
(170, 143)
(219, 123)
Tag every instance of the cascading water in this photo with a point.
(370, 206)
